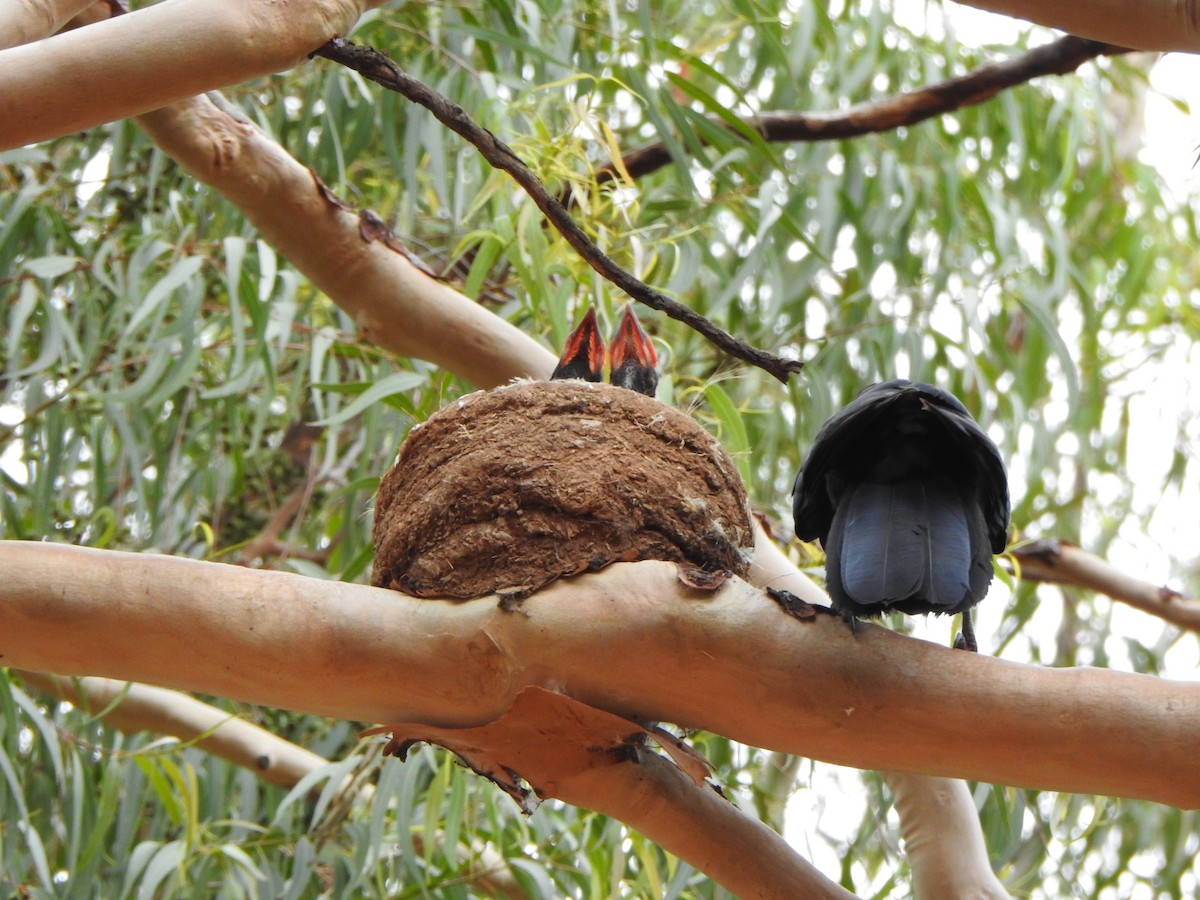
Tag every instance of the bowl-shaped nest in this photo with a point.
(509, 489)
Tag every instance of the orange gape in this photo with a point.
(632, 360)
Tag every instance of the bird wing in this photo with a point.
(988, 475)
(812, 505)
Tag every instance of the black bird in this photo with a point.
(909, 498)
(632, 357)
(583, 356)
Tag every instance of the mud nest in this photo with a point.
(509, 489)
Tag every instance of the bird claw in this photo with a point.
(795, 607)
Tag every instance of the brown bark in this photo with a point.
(889, 113)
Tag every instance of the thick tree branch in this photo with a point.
(771, 569)
(165, 52)
(1056, 562)
(565, 749)
(1154, 25)
(630, 640)
(22, 21)
(1057, 58)
(699, 826)
(344, 254)
(372, 64)
(649, 795)
(942, 838)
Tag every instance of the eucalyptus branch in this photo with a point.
(631, 640)
(376, 66)
(131, 707)
(1057, 562)
(1057, 58)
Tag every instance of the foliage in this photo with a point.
(155, 353)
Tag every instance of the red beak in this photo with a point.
(632, 356)
(583, 357)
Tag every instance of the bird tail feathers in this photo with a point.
(911, 545)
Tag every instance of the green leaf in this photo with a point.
(380, 391)
(734, 435)
(166, 861)
(182, 271)
(50, 267)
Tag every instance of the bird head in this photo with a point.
(583, 355)
(631, 356)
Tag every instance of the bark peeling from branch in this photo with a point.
(567, 749)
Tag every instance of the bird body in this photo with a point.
(909, 498)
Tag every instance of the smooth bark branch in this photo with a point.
(175, 49)
(1153, 25)
(655, 798)
(397, 306)
(771, 569)
(630, 640)
(650, 796)
(1055, 562)
(22, 21)
(1058, 58)
(942, 838)
(590, 758)
(372, 64)
(142, 707)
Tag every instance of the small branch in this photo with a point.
(590, 758)
(266, 542)
(1055, 562)
(142, 707)
(376, 66)
(1057, 58)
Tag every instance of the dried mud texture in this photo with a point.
(509, 489)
